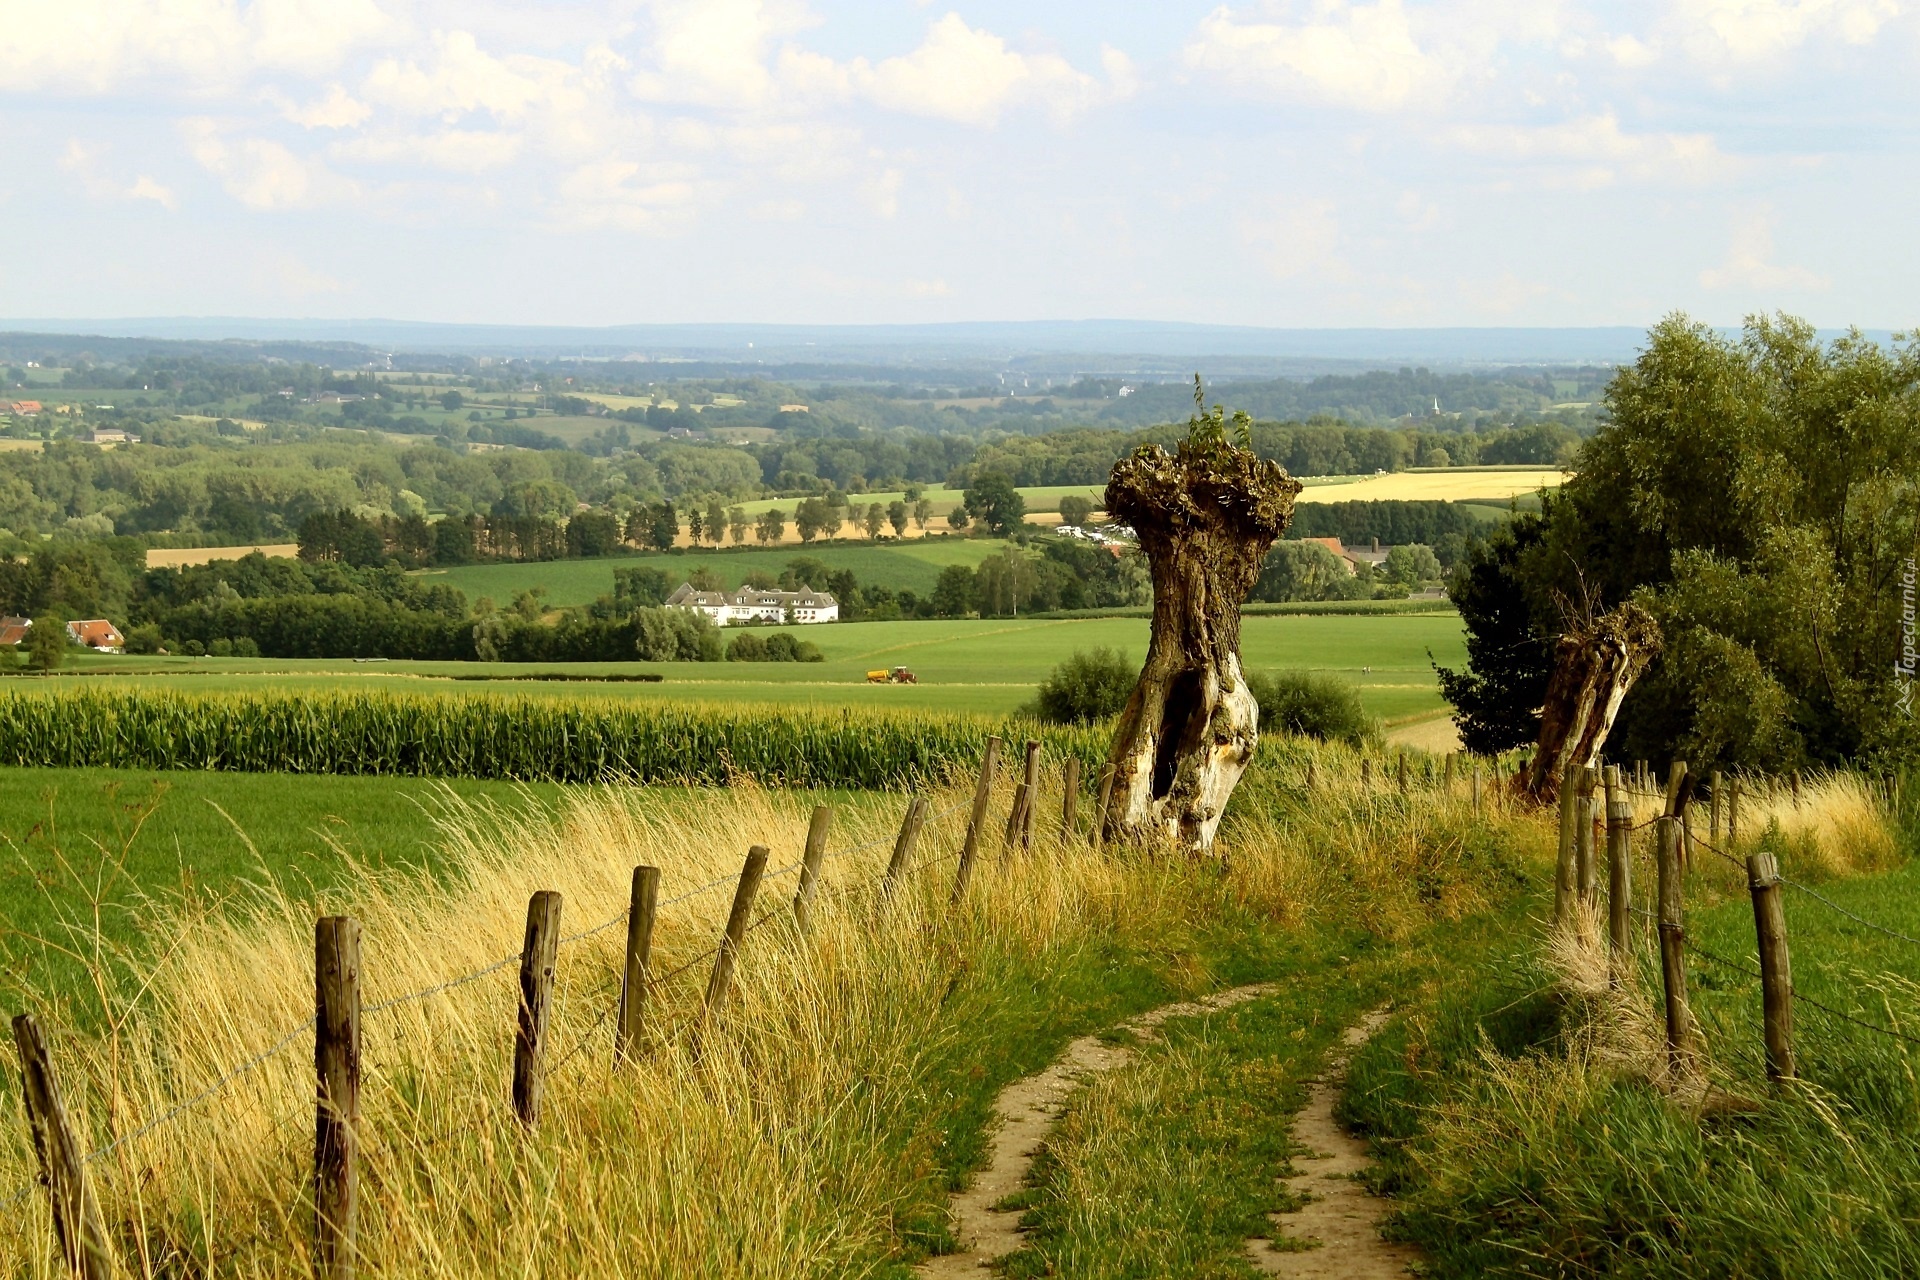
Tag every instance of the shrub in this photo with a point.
(747, 648)
(1086, 687)
(781, 646)
(675, 635)
(1313, 706)
(146, 639)
(47, 643)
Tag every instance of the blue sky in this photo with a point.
(1312, 164)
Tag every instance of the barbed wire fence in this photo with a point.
(240, 1071)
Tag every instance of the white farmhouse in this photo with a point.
(752, 604)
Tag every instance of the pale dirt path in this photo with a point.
(1027, 1110)
(1339, 1215)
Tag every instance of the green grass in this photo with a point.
(1516, 1155)
(980, 665)
(82, 845)
(908, 566)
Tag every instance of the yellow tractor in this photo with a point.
(899, 675)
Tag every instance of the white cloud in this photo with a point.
(106, 46)
(1756, 30)
(459, 78)
(258, 172)
(1593, 151)
(883, 192)
(1360, 56)
(970, 76)
(1750, 264)
(83, 161)
(337, 110)
(622, 195)
(716, 52)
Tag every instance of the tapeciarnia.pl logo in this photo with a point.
(1907, 666)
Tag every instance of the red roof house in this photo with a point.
(14, 630)
(96, 633)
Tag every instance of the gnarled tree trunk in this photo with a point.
(1595, 663)
(1206, 516)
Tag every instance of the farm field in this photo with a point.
(1445, 486)
(978, 665)
(913, 567)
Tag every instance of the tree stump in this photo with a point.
(1206, 516)
(1595, 663)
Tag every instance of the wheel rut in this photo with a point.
(1340, 1217)
(1026, 1111)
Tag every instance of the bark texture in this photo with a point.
(1206, 516)
(1595, 664)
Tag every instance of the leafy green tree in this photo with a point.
(1409, 565)
(1075, 509)
(663, 526)
(771, 526)
(696, 524)
(1091, 685)
(46, 644)
(953, 591)
(923, 512)
(876, 519)
(960, 517)
(998, 505)
(1312, 705)
(717, 522)
(1003, 583)
(897, 516)
(812, 516)
(737, 524)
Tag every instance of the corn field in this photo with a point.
(528, 739)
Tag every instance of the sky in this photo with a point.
(1301, 165)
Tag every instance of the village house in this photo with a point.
(24, 408)
(97, 634)
(14, 630)
(754, 604)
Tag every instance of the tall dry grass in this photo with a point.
(807, 1137)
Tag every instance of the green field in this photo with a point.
(906, 566)
(984, 665)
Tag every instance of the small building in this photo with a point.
(754, 604)
(114, 435)
(25, 408)
(97, 634)
(14, 630)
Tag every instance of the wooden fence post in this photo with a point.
(1016, 820)
(739, 919)
(636, 974)
(76, 1214)
(1776, 968)
(810, 859)
(982, 793)
(1619, 874)
(1313, 778)
(1366, 773)
(336, 1118)
(1714, 811)
(1733, 811)
(903, 844)
(1403, 773)
(1033, 795)
(1070, 798)
(1100, 808)
(1586, 865)
(536, 1004)
(1673, 941)
(1563, 864)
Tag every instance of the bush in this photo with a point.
(1313, 706)
(781, 646)
(675, 635)
(1086, 687)
(144, 639)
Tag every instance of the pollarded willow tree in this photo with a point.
(1206, 515)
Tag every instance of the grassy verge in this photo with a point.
(822, 1121)
(1529, 1121)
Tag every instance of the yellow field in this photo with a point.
(180, 557)
(1446, 486)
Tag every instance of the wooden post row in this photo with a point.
(1776, 968)
(636, 974)
(1673, 941)
(982, 793)
(537, 957)
(336, 1120)
(1586, 869)
(76, 1214)
(903, 844)
(810, 860)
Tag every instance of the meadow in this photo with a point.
(990, 666)
(816, 1128)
